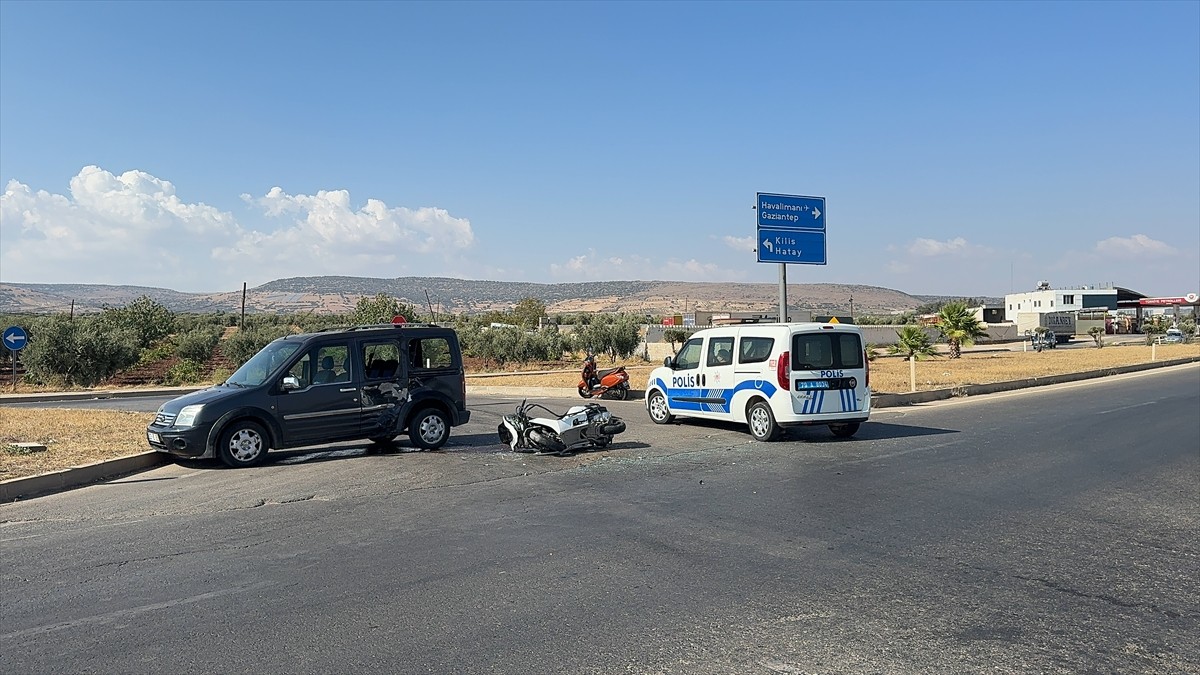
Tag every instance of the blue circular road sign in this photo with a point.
(15, 338)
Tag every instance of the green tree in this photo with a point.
(959, 326)
(912, 342)
(243, 344)
(605, 334)
(198, 344)
(674, 335)
(145, 317)
(80, 352)
(1097, 333)
(528, 312)
(381, 309)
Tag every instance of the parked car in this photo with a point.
(1173, 335)
(366, 382)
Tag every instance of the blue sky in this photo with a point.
(963, 148)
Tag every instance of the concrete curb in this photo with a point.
(93, 395)
(896, 400)
(58, 481)
(77, 476)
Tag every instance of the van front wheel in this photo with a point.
(243, 444)
(762, 422)
(844, 430)
(659, 412)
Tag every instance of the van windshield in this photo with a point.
(260, 366)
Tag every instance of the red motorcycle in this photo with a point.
(614, 382)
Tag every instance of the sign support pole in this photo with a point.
(783, 293)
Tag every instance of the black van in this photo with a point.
(369, 382)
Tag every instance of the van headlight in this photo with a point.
(188, 415)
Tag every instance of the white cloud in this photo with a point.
(134, 229)
(746, 244)
(933, 247)
(130, 228)
(1138, 245)
(327, 233)
(593, 267)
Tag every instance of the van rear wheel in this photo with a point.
(429, 429)
(844, 430)
(762, 422)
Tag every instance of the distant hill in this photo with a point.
(337, 294)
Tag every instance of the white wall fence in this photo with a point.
(880, 335)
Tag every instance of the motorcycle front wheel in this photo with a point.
(584, 392)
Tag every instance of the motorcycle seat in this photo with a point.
(605, 373)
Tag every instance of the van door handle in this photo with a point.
(347, 391)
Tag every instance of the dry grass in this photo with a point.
(77, 437)
(891, 374)
(71, 437)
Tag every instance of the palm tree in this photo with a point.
(959, 326)
(913, 343)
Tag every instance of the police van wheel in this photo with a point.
(844, 430)
(762, 422)
(659, 412)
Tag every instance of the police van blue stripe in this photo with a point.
(711, 405)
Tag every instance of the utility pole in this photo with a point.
(782, 292)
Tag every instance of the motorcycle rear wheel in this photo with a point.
(546, 441)
(620, 393)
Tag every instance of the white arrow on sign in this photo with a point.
(14, 338)
(816, 213)
(767, 245)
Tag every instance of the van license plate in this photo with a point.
(154, 438)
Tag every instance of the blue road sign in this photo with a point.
(803, 247)
(791, 212)
(15, 338)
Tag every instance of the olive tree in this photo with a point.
(83, 352)
(149, 320)
(381, 309)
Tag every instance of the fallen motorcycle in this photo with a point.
(583, 427)
(613, 383)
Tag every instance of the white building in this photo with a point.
(1046, 299)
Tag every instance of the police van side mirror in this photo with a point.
(290, 383)
(669, 362)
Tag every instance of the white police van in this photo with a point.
(767, 375)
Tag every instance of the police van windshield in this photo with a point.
(824, 351)
(260, 366)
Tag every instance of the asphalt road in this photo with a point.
(1051, 529)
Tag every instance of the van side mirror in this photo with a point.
(290, 383)
(669, 362)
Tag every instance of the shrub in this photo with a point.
(199, 343)
(246, 343)
(146, 318)
(78, 352)
(186, 371)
